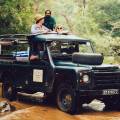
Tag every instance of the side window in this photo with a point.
(7, 49)
(14, 51)
(11, 46)
(22, 53)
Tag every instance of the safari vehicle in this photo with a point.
(67, 68)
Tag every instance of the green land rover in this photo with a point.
(65, 67)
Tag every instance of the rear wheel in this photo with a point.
(66, 99)
(9, 91)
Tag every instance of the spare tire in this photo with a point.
(87, 58)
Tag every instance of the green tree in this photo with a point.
(107, 15)
(16, 16)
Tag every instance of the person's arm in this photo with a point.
(34, 29)
(45, 29)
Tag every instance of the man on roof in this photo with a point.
(38, 27)
(49, 21)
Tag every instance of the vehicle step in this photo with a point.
(38, 96)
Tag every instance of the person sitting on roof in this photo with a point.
(49, 20)
(39, 27)
(60, 30)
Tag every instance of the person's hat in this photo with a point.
(38, 17)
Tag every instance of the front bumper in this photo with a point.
(103, 92)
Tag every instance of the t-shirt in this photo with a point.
(38, 29)
(49, 22)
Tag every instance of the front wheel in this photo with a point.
(66, 99)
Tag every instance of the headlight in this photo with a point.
(85, 78)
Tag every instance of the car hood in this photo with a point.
(71, 65)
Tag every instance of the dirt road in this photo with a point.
(26, 111)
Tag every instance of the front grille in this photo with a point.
(106, 79)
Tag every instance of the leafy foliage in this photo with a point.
(97, 20)
(15, 16)
(107, 15)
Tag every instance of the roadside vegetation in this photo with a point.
(93, 19)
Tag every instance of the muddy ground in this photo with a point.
(36, 111)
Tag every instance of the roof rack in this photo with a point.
(11, 39)
(13, 35)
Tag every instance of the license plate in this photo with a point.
(110, 92)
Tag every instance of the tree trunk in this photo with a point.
(84, 3)
(68, 22)
(36, 6)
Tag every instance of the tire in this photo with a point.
(9, 91)
(87, 58)
(66, 99)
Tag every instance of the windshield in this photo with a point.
(64, 50)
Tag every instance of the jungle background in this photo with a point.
(98, 20)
